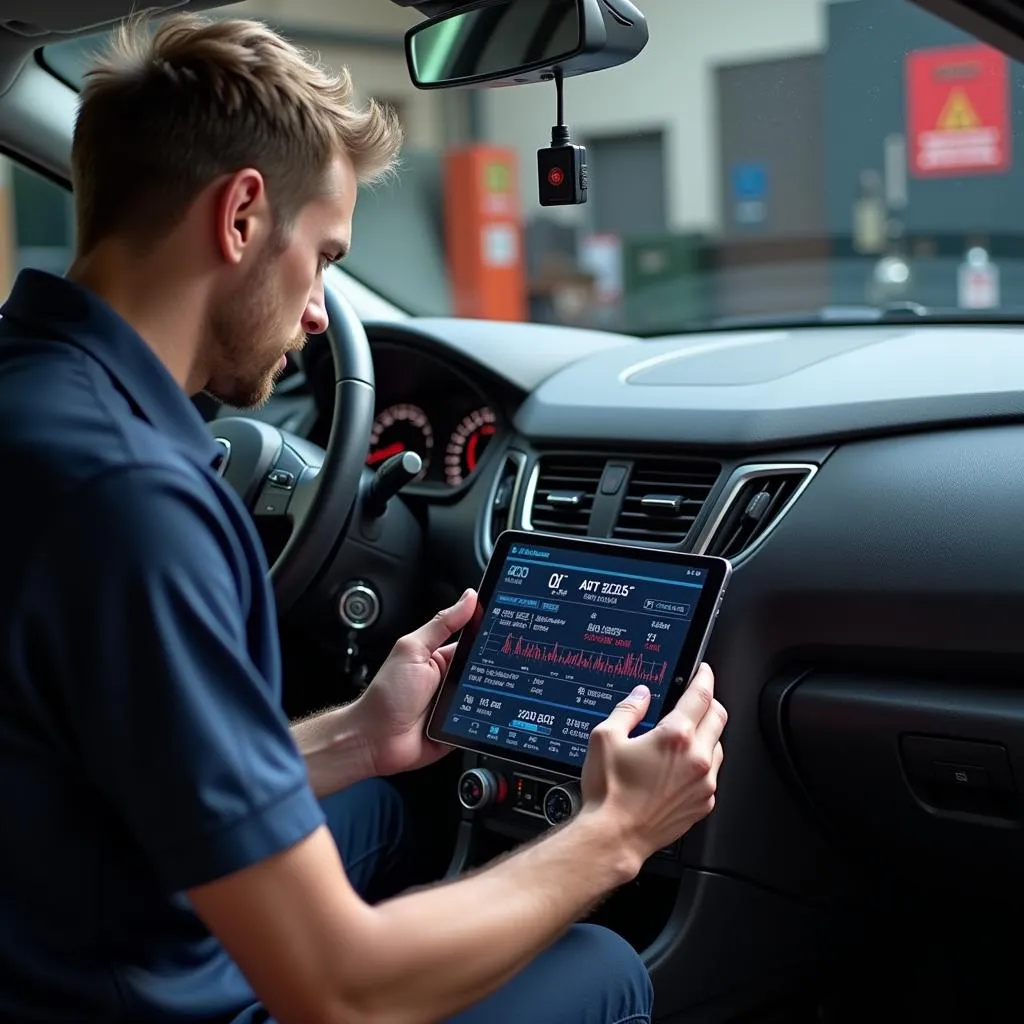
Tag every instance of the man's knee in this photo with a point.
(590, 976)
(373, 804)
(614, 969)
(368, 822)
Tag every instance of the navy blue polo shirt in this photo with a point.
(143, 748)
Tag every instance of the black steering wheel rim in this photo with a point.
(330, 508)
(324, 484)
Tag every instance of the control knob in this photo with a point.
(479, 788)
(562, 802)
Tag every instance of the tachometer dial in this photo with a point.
(401, 428)
(467, 443)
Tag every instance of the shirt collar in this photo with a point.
(56, 307)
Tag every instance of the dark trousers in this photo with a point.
(590, 976)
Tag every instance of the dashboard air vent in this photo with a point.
(663, 498)
(564, 493)
(756, 502)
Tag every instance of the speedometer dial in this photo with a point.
(401, 428)
(467, 443)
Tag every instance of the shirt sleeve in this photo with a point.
(136, 611)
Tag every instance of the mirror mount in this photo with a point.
(495, 43)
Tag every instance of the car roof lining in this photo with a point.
(37, 109)
(29, 24)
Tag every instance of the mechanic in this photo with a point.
(174, 850)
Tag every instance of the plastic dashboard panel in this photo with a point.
(772, 388)
(902, 559)
(919, 775)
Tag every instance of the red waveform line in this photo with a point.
(629, 665)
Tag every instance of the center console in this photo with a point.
(501, 800)
(563, 631)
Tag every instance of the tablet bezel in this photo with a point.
(703, 619)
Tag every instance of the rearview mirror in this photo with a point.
(514, 42)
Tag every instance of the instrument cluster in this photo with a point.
(431, 409)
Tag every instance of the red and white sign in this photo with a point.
(958, 111)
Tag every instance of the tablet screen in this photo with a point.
(564, 634)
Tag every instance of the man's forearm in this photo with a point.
(485, 928)
(336, 753)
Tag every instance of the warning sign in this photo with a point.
(958, 111)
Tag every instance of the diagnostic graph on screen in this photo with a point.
(629, 667)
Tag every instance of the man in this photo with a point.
(165, 854)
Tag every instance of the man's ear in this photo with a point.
(242, 214)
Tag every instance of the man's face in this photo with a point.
(279, 299)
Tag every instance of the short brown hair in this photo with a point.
(166, 112)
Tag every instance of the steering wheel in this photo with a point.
(281, 474)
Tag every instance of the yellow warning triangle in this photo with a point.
(958, 113)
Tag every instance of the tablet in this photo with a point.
(563, 630)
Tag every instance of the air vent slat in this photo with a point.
(664, 497)
(635, 503)
(755, 507)
(643, 517)
(563, 496)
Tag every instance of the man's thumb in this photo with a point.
(630, 711)
(439, 629)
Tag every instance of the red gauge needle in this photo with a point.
(384, 453)
(474, 441)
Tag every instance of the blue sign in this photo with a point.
(750, 182)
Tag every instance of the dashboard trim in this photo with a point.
(528, 495)
(737, 480)
(519, 459)
(713, 344)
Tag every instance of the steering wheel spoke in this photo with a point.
(282, 482)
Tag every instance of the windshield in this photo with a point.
(757, 162)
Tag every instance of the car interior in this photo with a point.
(860, 468)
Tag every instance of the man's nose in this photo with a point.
(315, 319)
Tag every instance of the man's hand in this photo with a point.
(392, 712)
(656, 786)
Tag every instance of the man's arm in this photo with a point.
(315, 952)
(148, 670)
(382, 733)
(335, 748)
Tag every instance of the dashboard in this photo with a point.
(867, 483)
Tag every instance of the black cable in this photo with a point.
(560, 132)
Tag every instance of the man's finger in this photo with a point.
(630, 711)
(716, 761)
(710, 727)
(443, 658)
(697, 696)
(437, 631)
